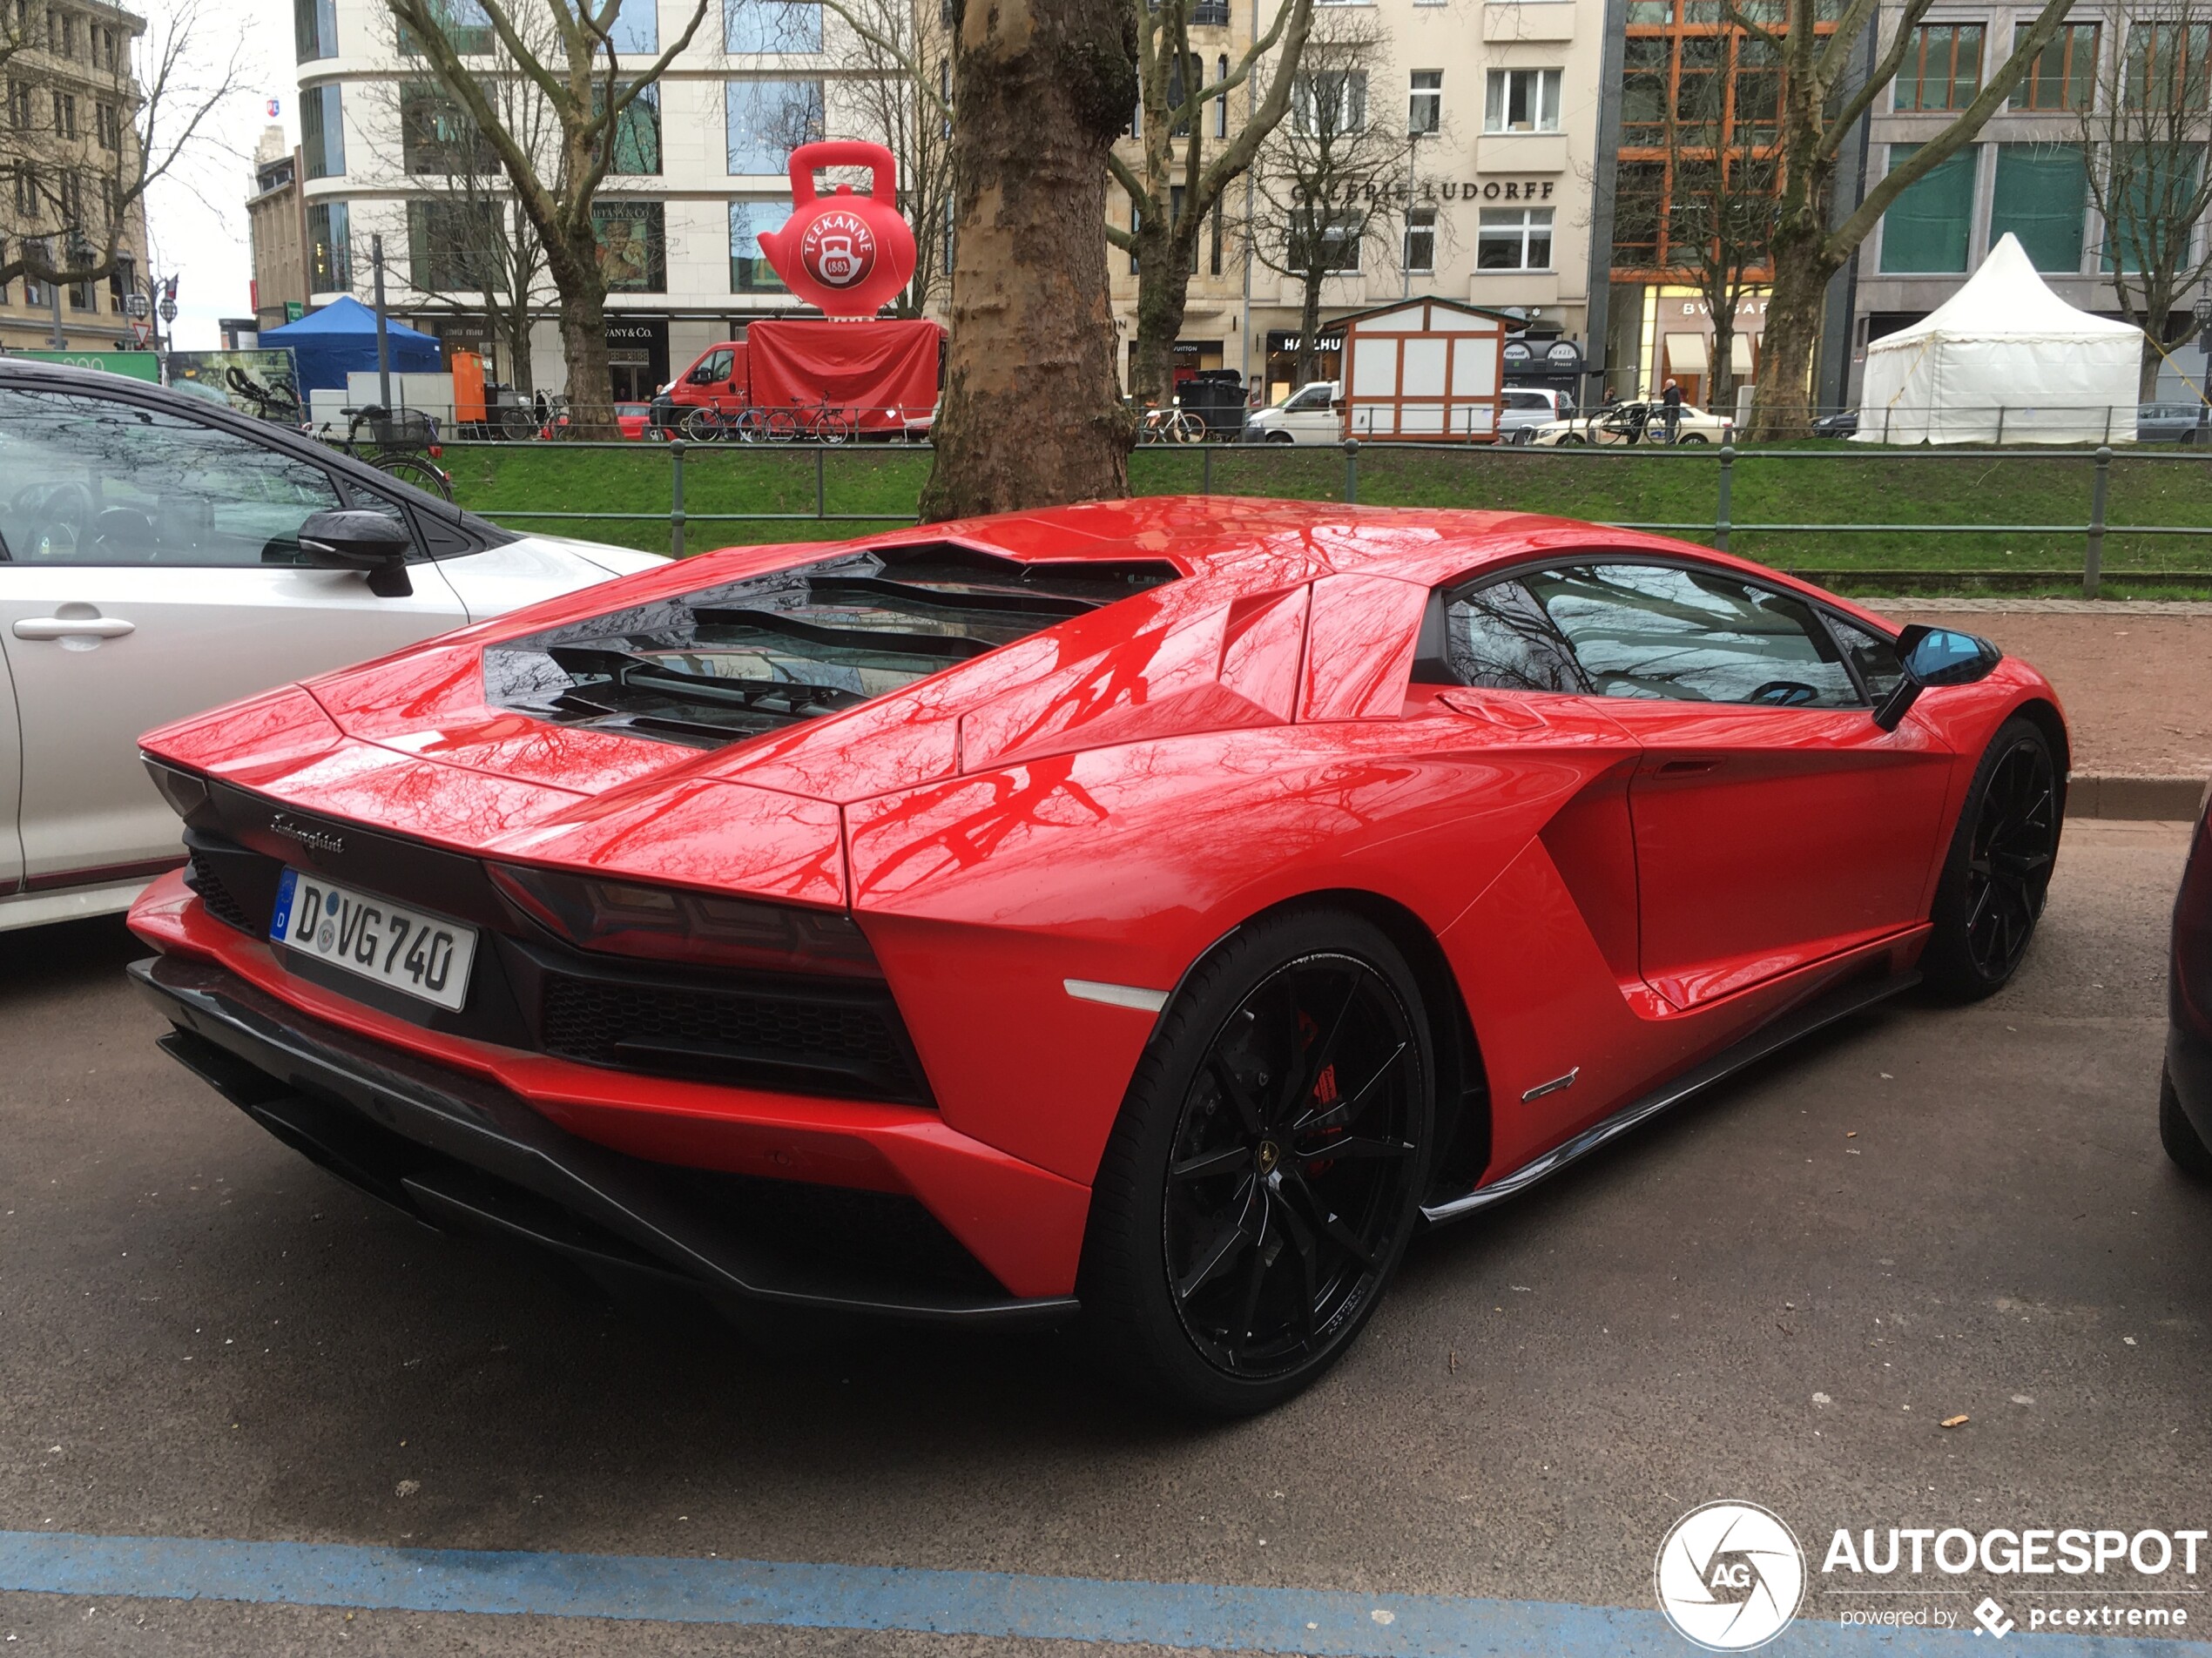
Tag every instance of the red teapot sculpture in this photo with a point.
(848, 253)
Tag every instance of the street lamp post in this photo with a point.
(2201, 314)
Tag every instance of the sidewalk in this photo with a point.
(2136, 678)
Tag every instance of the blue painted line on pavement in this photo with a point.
(1224, 1617)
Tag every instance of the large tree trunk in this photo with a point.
(1159, 324)
(584, 341)
(2147, 376)
(1032, 415)
(1801, 273)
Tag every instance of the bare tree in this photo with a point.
(1031, 414)
(1822, 101)
(2143, 134)
(589, 98)
(79, 161)
(1179, 176)
(470, 250)
(1332, 184)
(891, 93)
(1708, 204)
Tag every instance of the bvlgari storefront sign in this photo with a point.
(1434, 190)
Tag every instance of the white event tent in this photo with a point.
(2003, 358)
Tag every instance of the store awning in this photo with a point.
(1688, 353)
(1739, 355)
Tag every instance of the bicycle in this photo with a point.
(402, 443)
(825, 422)
(1173, 424)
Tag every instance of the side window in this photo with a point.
(714, 369)
(88, 479)
(1692, 636)
(1496, 637)
(1875, 657)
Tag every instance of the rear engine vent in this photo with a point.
(851, 1046)
(746, 658)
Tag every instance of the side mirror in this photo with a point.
(1933, 656)
(360, 540)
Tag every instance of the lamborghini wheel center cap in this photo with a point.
(1269, 1154)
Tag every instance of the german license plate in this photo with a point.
(414, 953)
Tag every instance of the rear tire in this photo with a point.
(1997, 871)
(2179, 1135)
(1265, 1174)
(1281, 437)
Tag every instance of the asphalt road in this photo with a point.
(1922, 1214)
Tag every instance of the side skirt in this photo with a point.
(1823, 1010)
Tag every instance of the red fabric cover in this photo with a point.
(887, 371)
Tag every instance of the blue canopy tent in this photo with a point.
(341, 337)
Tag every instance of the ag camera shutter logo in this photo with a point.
(1730, 1576)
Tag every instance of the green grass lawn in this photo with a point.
(1813, 485)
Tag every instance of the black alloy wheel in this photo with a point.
(1998, 872)
(1273, 1150)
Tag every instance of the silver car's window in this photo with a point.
(91, 480)
(1683, 635)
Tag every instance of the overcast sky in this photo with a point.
(196, 222)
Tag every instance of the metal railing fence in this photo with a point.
(2091, 532)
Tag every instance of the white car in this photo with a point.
(1640, 421)
(153, 565)
(1307, 415)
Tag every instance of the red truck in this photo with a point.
(880, 375)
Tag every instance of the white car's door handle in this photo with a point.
(64, 627)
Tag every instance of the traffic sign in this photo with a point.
(141, 331)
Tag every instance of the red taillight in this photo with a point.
(437, 450)
(699, 929)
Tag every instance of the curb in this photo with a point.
(2090, 794)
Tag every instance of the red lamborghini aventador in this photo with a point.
(1161, 908)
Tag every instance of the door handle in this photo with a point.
(1686, 768)
(67, 627)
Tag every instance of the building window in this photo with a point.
(322, 132)
(771, 26)
(330, 254)
(769, 119)
(1221, 104)
(463, 22)
(1425, 105)
(2166, 66)
(1514, 238)
(23, 177)
(1942, 68)
(314, 27)
(750, 271)
(437, 139)
(1333, 244)
(1925, 230)
(1187, 70)
(1527, 100)
(2041, 195)
(453, 247)
(37, 253)
(2149, 190)
(632, 245)
(1421, 240)
(637, 135)
(2064, 74)
(19, 105)
(110, 125)
(636, 28)
(1330, 100)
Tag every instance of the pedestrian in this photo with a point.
(1670, 409)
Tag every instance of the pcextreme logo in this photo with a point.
(1730, 1576)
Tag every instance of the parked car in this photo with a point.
(1307, 415)
(1842, 423)
(2169, 423)
(160, 554)
(1170, 905)
(2185, 1089)
(1526, 408)
(1641, 420)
